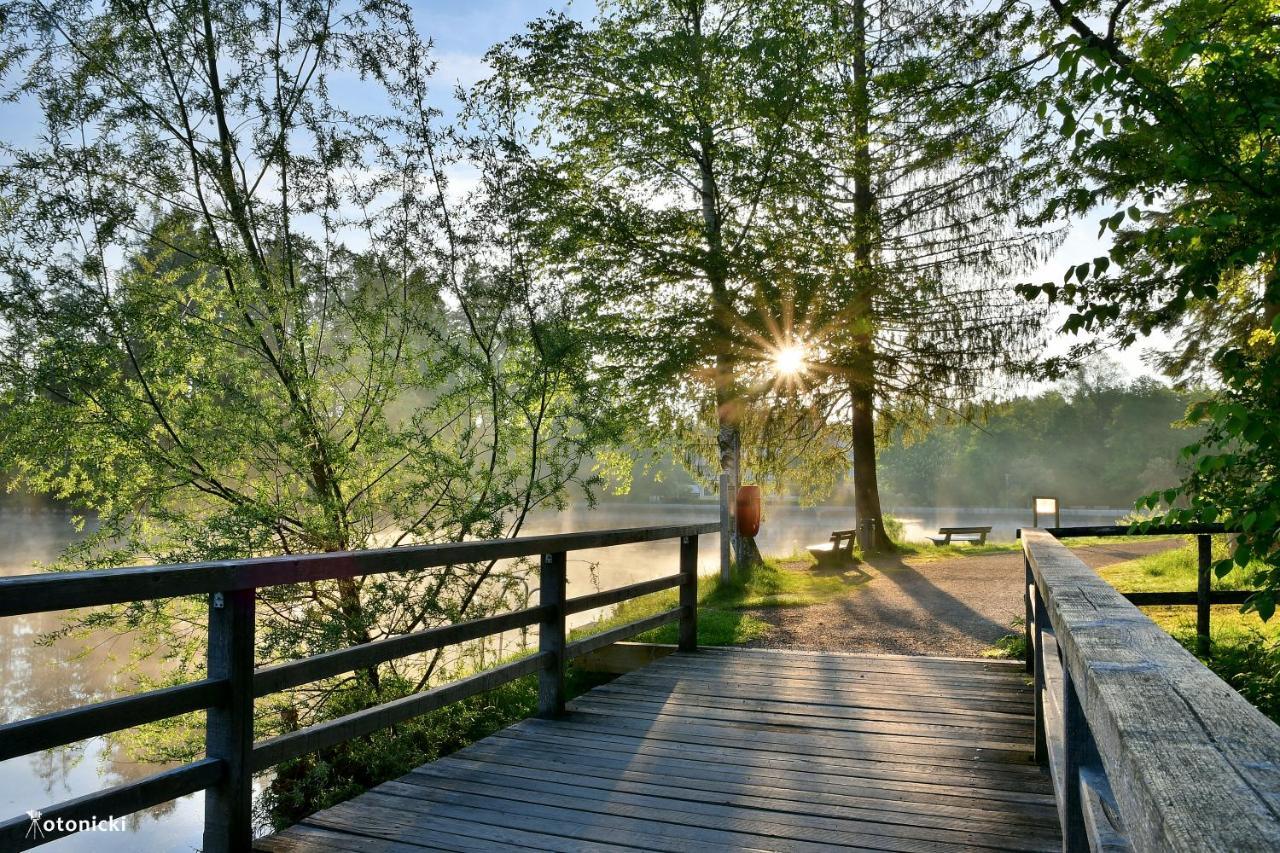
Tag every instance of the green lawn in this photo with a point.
(1245, 650)
(780, 582)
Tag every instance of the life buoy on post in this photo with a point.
(749, 510)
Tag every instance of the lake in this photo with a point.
(36, 679)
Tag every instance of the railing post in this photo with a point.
(726, 531)
(1078, 753)
(1029, 617)
(228, 807)
(689, 594)
(1037, 681)
(1204, 567)
(551, 594)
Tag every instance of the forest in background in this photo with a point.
(1097, 440)
(1087, 444)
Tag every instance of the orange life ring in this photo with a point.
(749, 510)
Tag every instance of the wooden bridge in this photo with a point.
(734, 749)
(1119, 739)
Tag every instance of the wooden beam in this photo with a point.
(63, 727)
(1128, 530)
(689, 594)
(228, 806)
(623, 593)
(622, 657)
(39, 593)
(273, 679)
(578, 648)
(1217, 596)
(1194, 766)
(551, 635)
(272, 751)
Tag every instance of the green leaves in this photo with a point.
(1190, 129)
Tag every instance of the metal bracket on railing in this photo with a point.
(219, 601)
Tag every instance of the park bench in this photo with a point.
(947, 535)
(836, 552)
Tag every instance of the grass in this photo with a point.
(929, 553)
(722, 605)
(1175, 570)
(1012, 646)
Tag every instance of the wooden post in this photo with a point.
(1029, 617)
(1076, 742)
(1204, 568)
(228, 806)
(726, 531)
(689, 594)
(1037, 637)
(551, 635)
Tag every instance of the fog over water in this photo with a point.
(37, 679)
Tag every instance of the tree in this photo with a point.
(916, 218)
(241, 318)
(1169, 124)
(727, 182)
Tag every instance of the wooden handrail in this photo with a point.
(226, 773)
(1144, 742)
(40, 593)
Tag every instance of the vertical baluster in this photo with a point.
(1037, 637)
(689, 594)
(551, 593)
(1204, 566)
(1078, 753)
(1029, 618)
(228, 807)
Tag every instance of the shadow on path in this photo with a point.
(955, 606)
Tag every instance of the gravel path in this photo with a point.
(958, 606)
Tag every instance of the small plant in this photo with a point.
(894, 527)
(1012, 646)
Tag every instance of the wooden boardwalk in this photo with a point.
(734, 749)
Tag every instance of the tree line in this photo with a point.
(1092, 443)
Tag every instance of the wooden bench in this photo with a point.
(838, 551)
(976, 535)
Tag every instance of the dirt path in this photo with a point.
(958, 606)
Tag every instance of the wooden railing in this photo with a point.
(1203, 597)
(232, 681)
(1148, 749)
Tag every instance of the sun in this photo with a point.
(789, 360)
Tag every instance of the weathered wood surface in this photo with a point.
(1193, 765)
(65, 590)
(734, 749)
(1130, 529)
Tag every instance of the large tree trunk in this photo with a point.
(866, 490)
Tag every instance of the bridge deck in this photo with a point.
(733, 749)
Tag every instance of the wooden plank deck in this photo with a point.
(733, 749)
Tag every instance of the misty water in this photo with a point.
(38, 679)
